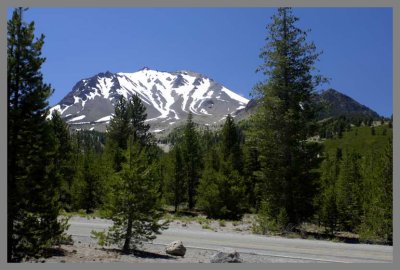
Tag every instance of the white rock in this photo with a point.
(176, 248)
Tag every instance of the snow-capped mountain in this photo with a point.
(168, 97)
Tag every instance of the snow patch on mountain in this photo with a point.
(80, 117)
(104, 119)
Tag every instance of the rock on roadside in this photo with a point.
(226, 256)
(176, 248)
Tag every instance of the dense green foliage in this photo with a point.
(175, 184)
(284, 121)
(359, 139)
(133, 200)
(356, 184)
(192, 158)
(63, 159)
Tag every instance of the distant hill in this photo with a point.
(336, 104)
(333, 104)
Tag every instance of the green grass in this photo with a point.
(207, 227)
(359, 139)
(187, 219)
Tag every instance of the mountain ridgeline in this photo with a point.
(170, 96)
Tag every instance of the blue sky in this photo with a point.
(222, 43)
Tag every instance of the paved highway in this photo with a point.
(301, 249)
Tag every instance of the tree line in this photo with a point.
(266, 165)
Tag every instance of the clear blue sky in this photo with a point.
(222, 43)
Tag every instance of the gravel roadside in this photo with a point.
(85, 249)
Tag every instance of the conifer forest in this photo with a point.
(287, 165)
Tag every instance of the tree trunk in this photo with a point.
(10, 232)
(176, 201)
(128, 236)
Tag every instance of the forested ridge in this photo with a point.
(285, 165)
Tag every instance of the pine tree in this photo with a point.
(286, 118)
(137, 116)
(209, 197)
(251, 165)
(377, 221)
(129, 118)
(349, 187)
(118, 132)
(328, 212)
(221, 190)
(92, 182)
(63, 158)
(231, 144)
(135, 191)
(386, 199)
(134, 202)
(33, 177)
(192, 159)
(176, 181)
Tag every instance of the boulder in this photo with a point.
(226, 256)
(176, 248)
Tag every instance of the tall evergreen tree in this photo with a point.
(286, 118)
(349, 187)
(231, 144)
(63, 159)
(192, 159)
(118, 132)
(134, 197)
(33, 182)
(137, 116)
(250, 166)
(92, 181)
(221, 190)
(176, 185)
(129, 119)
(119, 128)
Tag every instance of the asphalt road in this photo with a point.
(301, 249)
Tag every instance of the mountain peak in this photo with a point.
(337, 103)
(168, 97)
(107, 74)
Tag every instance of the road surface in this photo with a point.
(283, 248)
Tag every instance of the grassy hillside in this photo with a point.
(360, 139)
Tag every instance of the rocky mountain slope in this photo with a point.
(336, 103)
(168, 97)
